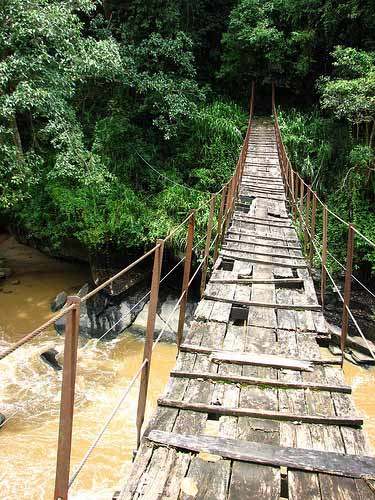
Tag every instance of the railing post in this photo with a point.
(219, 223)
(323, 279)
(208, 243)
(307, 218)
(295, 194)
(302, 194)
(313, 227)
(186, 277)
(64, 446)
(147, 351)
(347, 289)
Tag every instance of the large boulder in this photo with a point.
(59, 301)
(164, 320)
(107, 315)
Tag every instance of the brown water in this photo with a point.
(362, 381)
(31, 390)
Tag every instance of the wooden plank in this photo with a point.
(265, 262)
(258, 360)
(268, 360)
(232, 248)
(259, 244)
(352, 421)
(262, 236)
(301, 307)
(338, 464)
(252, 281)
(247, 220)
(241, 379)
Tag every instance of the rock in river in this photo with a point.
(105, 314)
(109, 315)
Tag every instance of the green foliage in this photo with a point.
(350, 95)
(318, 146)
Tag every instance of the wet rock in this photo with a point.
(105, 314)
(109, 315)
(59, 301)
(15, 282)
(336, 351)
(49, 357)
(7, 290)
(2, 419)
(5, 272)
(166, 304)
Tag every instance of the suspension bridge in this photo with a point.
(256, 406)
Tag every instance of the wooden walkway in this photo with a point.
(252, 391)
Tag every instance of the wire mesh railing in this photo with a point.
(221, 207)
(305, 205)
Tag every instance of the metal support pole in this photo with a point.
(347, 289)
(295, 193)
(323, 279)
(302, 194)
(307, 218)
(64, 446)
(208, 243)
(313, 227)
(147, 351)
(220, 223)
(186, 278)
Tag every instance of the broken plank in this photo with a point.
(265, 262)
(241, 379)
(338, 464)
(301, 307)
(231, 248)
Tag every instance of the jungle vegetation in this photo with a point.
(118, 117)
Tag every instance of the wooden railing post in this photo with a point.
(64, 446)
(307, 218)
(313, 227)
(220, 223)
(323, 279)
(208, 243)
(186, 278)
(347, 289)
(147, 351)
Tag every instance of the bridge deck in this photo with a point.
(242, 371)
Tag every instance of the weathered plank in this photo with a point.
(242, 379)
(338, 464)
(275, 305)
(353, 421)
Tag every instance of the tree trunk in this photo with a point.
(16, 136)
(371, 139)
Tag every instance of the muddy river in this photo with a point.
(29, 389)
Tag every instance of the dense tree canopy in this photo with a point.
(117, 117)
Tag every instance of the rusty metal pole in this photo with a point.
(307, 218)
(220, 223)
(226, 211)
(323, 279)
(147, 351)
(347, 289)
(64, 446)
(186, 277)
(208, 243)
(313, 227)
(295, 194)
(302, 194)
